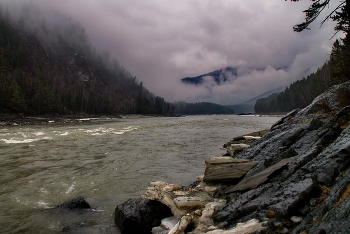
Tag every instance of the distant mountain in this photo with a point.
(248, 106)
(221, 76)
(227, 77)
(266, 94)
(218, 76)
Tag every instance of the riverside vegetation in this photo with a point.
(297, 182)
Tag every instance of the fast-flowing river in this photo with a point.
(106, 162)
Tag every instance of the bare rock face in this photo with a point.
(226, 169)
(303, 171)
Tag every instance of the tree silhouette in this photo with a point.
(341, 14)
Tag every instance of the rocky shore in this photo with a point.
(293, 179)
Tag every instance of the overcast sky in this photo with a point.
(162, 41)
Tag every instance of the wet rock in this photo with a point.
(185, 223)
(180, 199)
(284, 119)
(166, 225)
(296, 219)
(226, 169)
(282, 230)
(322, 231)
(169, 223)
(76, 203)
(252, 137)
(193, 207)
(297, 195)
(313, 202)
(305, 157)
(332, 215)
(232, 148)
(327, 174)
(335, 98)
(251, 226)
(259, 178)
(239, 143)
(140, 215)
(205, 222)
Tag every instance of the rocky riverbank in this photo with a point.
(294, 179)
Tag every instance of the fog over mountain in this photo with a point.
(160, 42)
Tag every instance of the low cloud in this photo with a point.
(161, 42)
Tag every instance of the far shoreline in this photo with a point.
(22, 120)
(10, 120)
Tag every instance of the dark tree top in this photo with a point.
(340, 14)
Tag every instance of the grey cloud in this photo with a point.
(161, 42)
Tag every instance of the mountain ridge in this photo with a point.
(219, 76)
(247, 107)
(53, 69)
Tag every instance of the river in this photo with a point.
(106, 162)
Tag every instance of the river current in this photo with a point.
(106, 162)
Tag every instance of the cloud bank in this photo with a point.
(161, 42)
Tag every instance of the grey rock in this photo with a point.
(332, 216)
(140, 215)
(296, 219)
(305, 156)
(226, 169)
(76, 203)
(296, 196)
(259, 178)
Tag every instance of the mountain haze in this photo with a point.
(49, 67)
(219, 76)
(236, 84)
(248, 106)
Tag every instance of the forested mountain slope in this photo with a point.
(51, 68)
(200, 108)
(301, 92)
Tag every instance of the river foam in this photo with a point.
(105, 169)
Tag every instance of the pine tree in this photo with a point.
(341, 14)
(340, 61)
(17, 102)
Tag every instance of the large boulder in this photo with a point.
(140, 215)
(76, 203)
